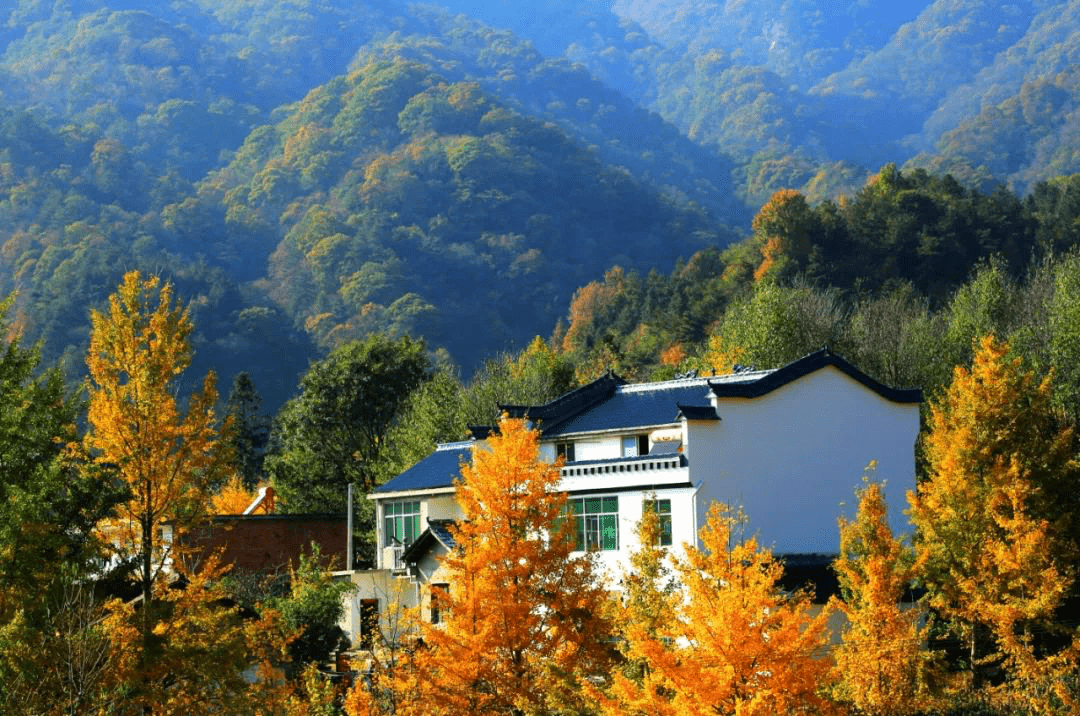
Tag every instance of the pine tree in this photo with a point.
(249, 430)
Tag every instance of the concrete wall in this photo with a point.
(393, 593)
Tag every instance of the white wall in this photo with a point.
(615, 564)
(794, 457)
(393, 593)
(603, 448)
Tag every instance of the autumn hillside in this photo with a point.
(308, 172)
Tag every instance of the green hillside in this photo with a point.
(312, 171)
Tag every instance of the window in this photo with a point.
(565, 450)
(439, 592)
(663, 510)
(634, 445)
(597, 522)
(401, 522)
(369, 622)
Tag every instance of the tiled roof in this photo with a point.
(438, 531)
(439, 469)
(641, 405)
(551, 416)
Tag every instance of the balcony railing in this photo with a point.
(639, 464)
(397, 551)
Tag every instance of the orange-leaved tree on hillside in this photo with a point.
(733, 642)
(784, 229)
(524, 621)
(167, 458)
(995, 520)
(882, 666)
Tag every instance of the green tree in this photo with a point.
(249, 430)
(1064, 332)
(312, 610)
(778, 324)
(51, 503)
(434, 413)
(333, 433)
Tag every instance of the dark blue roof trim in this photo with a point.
(806, 365)
(697, 412)
(566, 407)
(481, 432)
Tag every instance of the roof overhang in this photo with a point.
(448, 490)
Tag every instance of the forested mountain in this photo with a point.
(312, 171)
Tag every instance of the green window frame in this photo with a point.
(663, 510)
(596, 522)
(401, 522)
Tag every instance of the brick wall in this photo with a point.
(254, 543)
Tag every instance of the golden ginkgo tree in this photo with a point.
(883, 665)
(523, 625)
(733, 642)
(166, 456)
(996, 523)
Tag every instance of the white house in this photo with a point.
(788, 445)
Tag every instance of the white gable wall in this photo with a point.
(794, 457)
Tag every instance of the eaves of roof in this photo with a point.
(806, 365)
(550, 416)
(437, 532)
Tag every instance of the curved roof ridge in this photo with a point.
(457, 445)
(703, 381)
(804, 366)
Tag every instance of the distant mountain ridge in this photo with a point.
(316, 170)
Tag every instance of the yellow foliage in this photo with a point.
(882, 666)
(202, 650)
(136, 429)
(991, 526)
(732, 641)
(721, 356)
(524, 625)
(233, 498)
